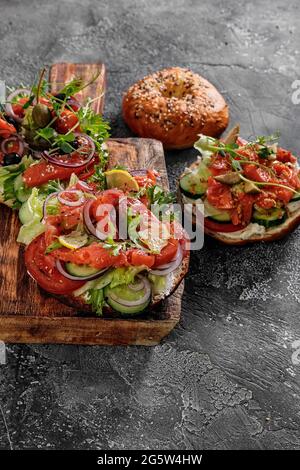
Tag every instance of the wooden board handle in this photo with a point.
(65, 72)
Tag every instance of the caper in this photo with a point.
(41, 115)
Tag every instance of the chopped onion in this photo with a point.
(168, 267)
(62, 271)
(13, 139)
(8, 106)
(57, 159)
(46, 202)
(69, 203)
(134, 303)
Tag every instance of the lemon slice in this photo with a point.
(73, 240)
(121, 179)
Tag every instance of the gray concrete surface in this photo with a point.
(228, 377)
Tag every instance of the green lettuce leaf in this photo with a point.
(31, 214)
(30, 231)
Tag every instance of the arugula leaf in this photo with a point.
(157, 195)
(93, 124)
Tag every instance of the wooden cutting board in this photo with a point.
(30, 315)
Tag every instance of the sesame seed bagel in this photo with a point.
(175, 105)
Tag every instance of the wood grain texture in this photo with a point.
(30, 315)
(64, 72)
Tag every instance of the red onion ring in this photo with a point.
(62, 271)
(46, 202)
(55, 158)
(84, 186)
(138, 286)
(13, 138)
(66, 202)
(8, 106)
(163, 270)
(134, 303)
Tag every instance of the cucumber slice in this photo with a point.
(219, 215)
(126, 310)
(192, 187)
(194, 184)
(21, 192)
(80, 270)
(269, 218)
(123, 292)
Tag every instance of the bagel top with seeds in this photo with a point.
(174, 105)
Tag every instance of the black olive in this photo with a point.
(11, 120)
(60, 96)
(11, 159)
(75, 144)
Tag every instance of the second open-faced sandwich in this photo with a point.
(106, 249)
(249, 191)
(45, 137)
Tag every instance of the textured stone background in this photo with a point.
(225, 377)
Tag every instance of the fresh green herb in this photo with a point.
(264, 152)
(76, 85)
(47, 133)
(267, 139)
(63, 142)
(98, 177)
(93, 124)
(157, 195)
